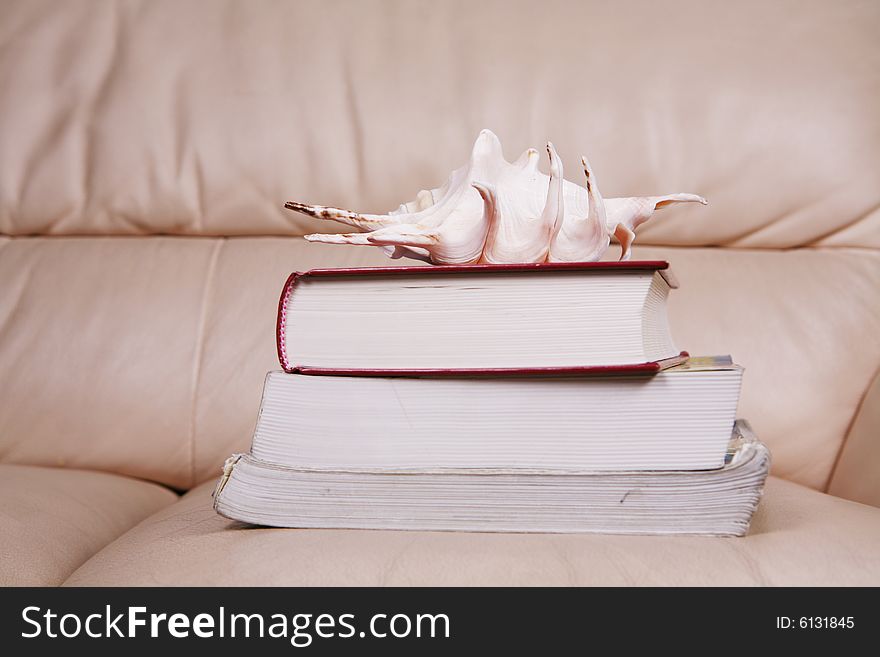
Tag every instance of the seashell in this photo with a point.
(495, 211)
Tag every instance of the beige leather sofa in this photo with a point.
(146, 149)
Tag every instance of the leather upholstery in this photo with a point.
(178, 116)
(164, 360)
(53, 519)
(798, 537)
(146, 147)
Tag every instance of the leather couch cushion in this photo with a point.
(53, 519)
(143, 356)
(164, 116)
(147, 356)
(798, 537)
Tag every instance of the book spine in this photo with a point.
(281, 321)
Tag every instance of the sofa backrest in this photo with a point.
(123, 121)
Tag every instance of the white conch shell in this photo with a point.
(494, 211)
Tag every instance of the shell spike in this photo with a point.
(528, 161)
(404, 235)
(626, 237)
(669, 199)
(596, 215)
(554, 208)
(487, 147)
(588, 172)
(344, 238)
(356, 219)
(491, 211)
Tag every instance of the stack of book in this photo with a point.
(523, 398)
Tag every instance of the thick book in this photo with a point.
(483, 319)
(716, 502)
(677, 419)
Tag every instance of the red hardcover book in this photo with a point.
(478, 320)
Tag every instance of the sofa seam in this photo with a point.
(852, 421)
(826, 248)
